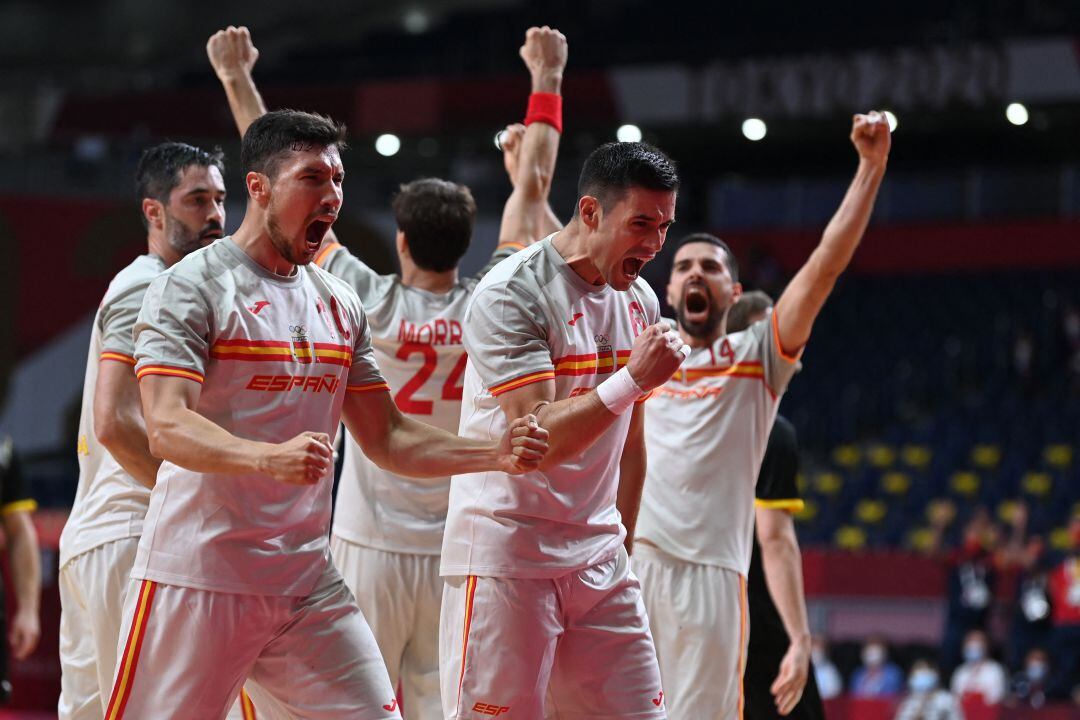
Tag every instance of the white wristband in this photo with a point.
(619, 392)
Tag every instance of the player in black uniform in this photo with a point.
(776, 666)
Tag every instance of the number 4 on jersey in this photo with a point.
(451, 390)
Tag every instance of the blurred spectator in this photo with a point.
(1064, 586)
(829, 681)
(925, 700)
(979, 675)
(876, 677)
(970, 588)
(1029, 686)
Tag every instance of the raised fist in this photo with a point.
(871, 137)
(657, 354)
(544, 53)
(231, 52)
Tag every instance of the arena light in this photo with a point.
(1016, 113)
(754, 129)
(628, 133)
(387, 145)
(891, 118)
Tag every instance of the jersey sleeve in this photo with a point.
(504, 340)
(778, 368)
(117, 317)
(368, 284)
(776, 486)
(364, 373)
(173, 330)
(13, 495)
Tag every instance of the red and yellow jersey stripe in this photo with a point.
(118, 357)
(522, 381)
(281, 351)
(169, 370)
(369, 387)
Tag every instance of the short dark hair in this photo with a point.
(160, 167)
(275, 133)
(750, 303)
(613, 168)
(729, 257)
(437, 217)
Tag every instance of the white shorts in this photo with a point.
(400, 595)
(700, 624)
(93, 586)
(184, 653)
(581, 640)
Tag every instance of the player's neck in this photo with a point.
(256, 243)
(570, 244)
(157, 244)
(429, 280)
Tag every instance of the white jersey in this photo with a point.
(274, 356)
(706, 430)
(109, 504)
(416, 336)
(532, 319)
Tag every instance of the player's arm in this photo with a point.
(402, 445)
(24, 556)
(575, 423)
(527, 216)
(182, 436)
(805, 295)
(632, 474)
(782, 563)
(118, 420)
(233, 55)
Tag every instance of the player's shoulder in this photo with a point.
(134, 279)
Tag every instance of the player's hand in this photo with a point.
(788, 687)
(24, 633)
(544, 53)
(304, 460)
(657, 353)
(231, 52)
(510, 141)
(523, 446)
(871, 137)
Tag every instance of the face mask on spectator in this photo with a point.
(1036, 671)
(974, 651)
(873, 655)
(922, 680)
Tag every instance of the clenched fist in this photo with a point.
(544, 53)
(304, 460)
(523, 446)
(871, 137)
(510, 144)
(657, 354)
(231, 52)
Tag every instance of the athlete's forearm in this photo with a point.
(416, 449)
(245, 102)
(186, 438)
(782, 563)
(632, 476)
(25, 562)
(804, 297)
(574, 425)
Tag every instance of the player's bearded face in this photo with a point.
(304, 202)
(630, 233)
(194, 217)
(701, 289)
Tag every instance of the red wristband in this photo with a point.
(545, 108)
